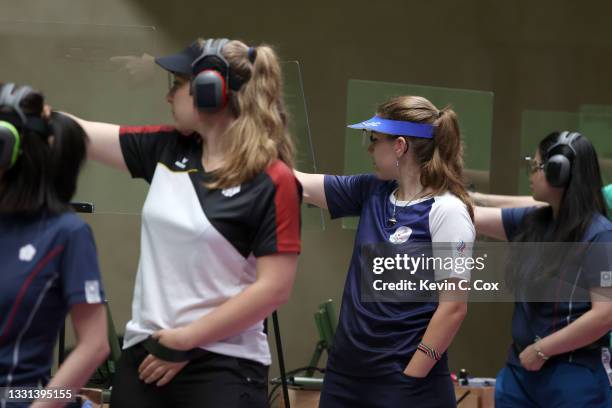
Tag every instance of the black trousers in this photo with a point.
(214, 381)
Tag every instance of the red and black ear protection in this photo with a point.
(211, 77)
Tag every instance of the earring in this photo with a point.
(397, 163)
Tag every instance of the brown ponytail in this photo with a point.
(440, 158)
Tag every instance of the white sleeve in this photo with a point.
(452, 237)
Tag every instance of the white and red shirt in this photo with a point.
(199, 245)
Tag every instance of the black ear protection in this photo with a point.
(559, 158)
(13, 121)
(211, 77)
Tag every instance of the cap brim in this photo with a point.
(361, 125)
(177, 63)
(370, 124)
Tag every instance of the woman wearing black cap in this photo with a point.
(48, 262)
(390, 346)
(220, 230)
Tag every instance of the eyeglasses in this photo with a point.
(374, 137)
(371, 136)
(533, 165)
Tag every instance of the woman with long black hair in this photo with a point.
(48, 262)
(556, 356)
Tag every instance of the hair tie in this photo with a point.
(252, 54)
(440, 113)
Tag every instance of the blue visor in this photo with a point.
(396, 127)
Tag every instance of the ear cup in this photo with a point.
(209, 91)
(557, 170)
(559, 159)
(10, 143)
(11, 96)
(210, 73)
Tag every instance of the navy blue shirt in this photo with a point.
(379, 338)
(531, 319)
(48, 263)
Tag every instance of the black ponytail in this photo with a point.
(68, 151)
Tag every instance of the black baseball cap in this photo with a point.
(180, 63)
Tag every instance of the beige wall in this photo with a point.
(548, 55)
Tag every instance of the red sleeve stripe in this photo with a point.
(146, 129)
(287, 207)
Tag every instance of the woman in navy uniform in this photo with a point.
(556, 356)
(49, 266)
(389, 353)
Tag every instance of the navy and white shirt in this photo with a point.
(379, 338)
(47, 264)
(531, 319)
(199, 245)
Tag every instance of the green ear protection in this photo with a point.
(13, 121)
(10, 143)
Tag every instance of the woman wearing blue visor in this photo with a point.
(390, 353)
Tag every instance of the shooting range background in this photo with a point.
(543, 64)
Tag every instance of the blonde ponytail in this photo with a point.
(259, 135)
(440, 158)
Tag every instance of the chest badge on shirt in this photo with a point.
(181, 164)
(606, 279)
(231, 191)
(27, 253)
(400, 235)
